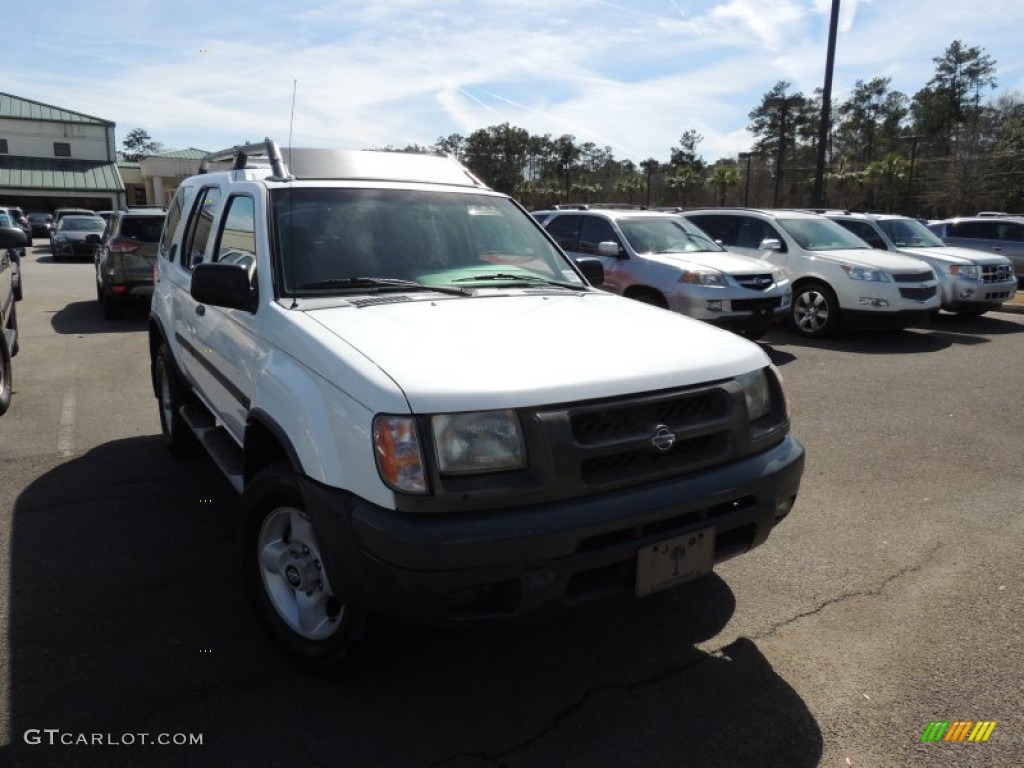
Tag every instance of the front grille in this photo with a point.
(918, 294)
(750, 305)
(913, 277)
(997, 295)
(755, 282)
(614, 443)
(996, 273)
(83, 249)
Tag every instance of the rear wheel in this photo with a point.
(5, 375)
(815, 311)
(285, 579)
(112, 306)
(172, 394)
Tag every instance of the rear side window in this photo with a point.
(724, 229)
(145, 229)
(1013, 232)
(171, 224)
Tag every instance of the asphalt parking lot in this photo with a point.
(889, 599)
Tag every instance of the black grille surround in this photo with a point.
(760, 282)
(919, 294)
(583, 448)
(914, 277)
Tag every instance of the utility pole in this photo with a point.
(746, 178)
(826, 109)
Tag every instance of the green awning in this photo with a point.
(49, 175)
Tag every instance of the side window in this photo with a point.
(171, 224)
(722, 228)
(595, 230)
(866, 233)
(565, 230)
(982, 230)
(236, 243)
(200, 226)
(1012, 232)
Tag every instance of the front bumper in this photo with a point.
(959, 294)
(748, 309)
(519, 562)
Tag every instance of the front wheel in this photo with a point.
(286, 581)
(815, 311)
(5, 374)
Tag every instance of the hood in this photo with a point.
(723, 261)
(873, 259)
(515, 350)
(953, 255)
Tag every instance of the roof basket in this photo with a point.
(240, 154)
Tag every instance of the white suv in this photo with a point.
(430, 413)
(662, 259)
(971, 282)
(838, 279)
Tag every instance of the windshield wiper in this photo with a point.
(506, 276)
(382, 282)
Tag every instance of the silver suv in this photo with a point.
(662, 259)
(838, 279)
(999, 234)
(970, 282)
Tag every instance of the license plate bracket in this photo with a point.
(674, 561)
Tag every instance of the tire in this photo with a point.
(171, 395)
(6, 387)
(112, 306)
(12, 323)
(285, 582)
(645, 296)
(815, 311)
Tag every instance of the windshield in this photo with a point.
(821, 235)
(910, 233)
(665, 235)
(325, 238)
(82, 224)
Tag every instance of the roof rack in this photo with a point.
(240, 154)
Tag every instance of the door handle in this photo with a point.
(200, 309)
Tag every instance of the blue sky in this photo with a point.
(630, 75)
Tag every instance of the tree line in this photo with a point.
(946, 150)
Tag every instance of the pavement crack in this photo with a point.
(876, 590)
(497, 759)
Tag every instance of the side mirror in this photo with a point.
(222, 285)
(11, 237)
(771, 244)
(592, 268)
(609, 248)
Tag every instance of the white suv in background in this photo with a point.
(662, 259)
(971, 282)
(838, 279)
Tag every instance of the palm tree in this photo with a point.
(722, 177)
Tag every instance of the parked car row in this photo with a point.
(821, 271)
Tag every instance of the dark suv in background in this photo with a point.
(125, 259)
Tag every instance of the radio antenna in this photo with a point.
(291, 192)
(291, 121)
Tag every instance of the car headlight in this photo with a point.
(397, 450)
(757, 392)
(968, 272)
(488, 441)
(699, 277)
(867, 275)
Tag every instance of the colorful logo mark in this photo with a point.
(959, 730)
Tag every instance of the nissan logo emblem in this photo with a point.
(664, 438)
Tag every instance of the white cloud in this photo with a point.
(632, 76)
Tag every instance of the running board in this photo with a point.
(222, 449)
